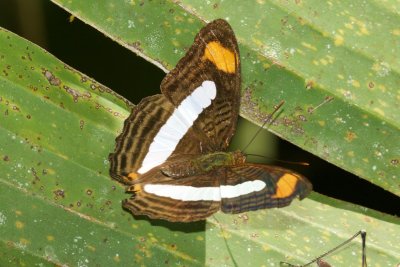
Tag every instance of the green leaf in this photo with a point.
(302, 52)
(57, 126)
(58, 203)
(301, 232)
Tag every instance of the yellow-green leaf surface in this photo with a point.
(302, 52)
(58, 204)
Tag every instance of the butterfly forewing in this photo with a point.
(214, 56)
(147, 140)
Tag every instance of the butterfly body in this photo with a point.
(172, 150)
(202, 164)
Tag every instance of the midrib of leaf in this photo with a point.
(43, 259)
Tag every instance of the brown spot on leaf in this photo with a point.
(302, 117)
(244, 217)
(394, 161)
(371, 85)
(137, 46)
(350, 136)
(53, 80)
(310, 85)
(37, 178)
(59, 193)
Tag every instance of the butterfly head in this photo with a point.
(238, 157)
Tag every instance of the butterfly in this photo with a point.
(172, 155)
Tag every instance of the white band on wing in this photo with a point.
(177, 125)
(191, 193)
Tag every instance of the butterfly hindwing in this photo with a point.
(180, 190)
(280, 187)
(170, 202)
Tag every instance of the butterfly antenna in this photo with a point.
(283, 161)
(268, 120)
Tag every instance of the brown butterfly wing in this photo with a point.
(158, 207)
(138, 133)
(213, 128)
(214, 56)
(282, 186)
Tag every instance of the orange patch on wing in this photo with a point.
(134, 188)
(286, 185)
(133, 176)
(223, 58)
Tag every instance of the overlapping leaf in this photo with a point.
(57, 126)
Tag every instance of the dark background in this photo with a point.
(97, 56)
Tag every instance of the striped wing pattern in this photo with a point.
(138, 133)
(218, 122)
(282, 186)
(199, 104)
(156, 207)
